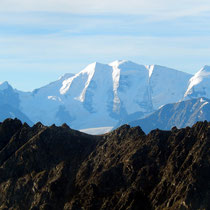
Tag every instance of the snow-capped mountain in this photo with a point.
(101, 95)
(98, 96)
(199, 85)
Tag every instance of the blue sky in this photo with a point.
(41, 40)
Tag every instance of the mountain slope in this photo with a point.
(181, 114)
(199, 85)
(60, 168)
(10, 104)
(8, 111)
(43, 103)
(8, 95)
(167, 85)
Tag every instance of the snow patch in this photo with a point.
(90, 70)
(116, 79)
(150, 69)
(199, 84)
(66, 85)
(97, 131)
(54, 98)
(204, 104)
(202, 100)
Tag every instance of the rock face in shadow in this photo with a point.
(180, 114)
(60, 168)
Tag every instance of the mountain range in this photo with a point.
(59, 168)
(102, 95)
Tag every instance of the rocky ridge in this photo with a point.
(180, 114)
(59, 168)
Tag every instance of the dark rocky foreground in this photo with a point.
(60, 168)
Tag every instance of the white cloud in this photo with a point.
(161, 8)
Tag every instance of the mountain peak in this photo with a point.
(202, 73)
(199, 83)
(206, 68)
(118, 62)
(96, 66)
(4, 85)
(123, 62)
